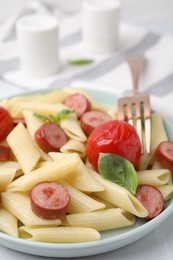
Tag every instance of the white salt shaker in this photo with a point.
(38, 44)
(101, 25)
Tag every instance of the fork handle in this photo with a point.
(136, 65)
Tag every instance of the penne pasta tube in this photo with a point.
(80, 202)
(23, 148)
(156, 165)
(80, 178)
(59, 234)
(120, 197)
(108, 205)
(103, 219)
(167, 191)
(72, 129)
(74, 146)
(154, 177)
(33, 123)
(45, 109)
(55, 96)
(51, 172)
(8, 223)
(156, 138)
(10, 164)
(4, 103)
(18, 204)
(6, 176)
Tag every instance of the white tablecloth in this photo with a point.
(156, 17)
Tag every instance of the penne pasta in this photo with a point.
(80, 202)
(18, 204)
(59, 234)
(6, 176)
(80, 178)
(53, 97)
(51, 172)
(74, 146)
(102, 220)
(156, 138)
(167, 191)
(8, 223)
(33, 123)
(154, 177)
(45, 109)
(72, 129)
(120, 197)
(23, 148)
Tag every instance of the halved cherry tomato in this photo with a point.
(6, 123)
(117, 137)
(164, 154)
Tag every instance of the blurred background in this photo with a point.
(155, 15)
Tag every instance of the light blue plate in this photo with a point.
(110, 240)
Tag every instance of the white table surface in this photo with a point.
(157, 16)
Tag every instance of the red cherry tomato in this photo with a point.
(164, 154)
(117, 137)
(6, 123)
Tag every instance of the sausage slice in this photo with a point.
(4, 152)
(90, 120)
(151, 198)
(50, 137)
(49, 200)
(164, 154)
(79, 103)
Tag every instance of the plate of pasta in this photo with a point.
(96, 214)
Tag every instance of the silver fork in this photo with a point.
(135, 108)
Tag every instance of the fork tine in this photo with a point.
(139, 123)
(147, 124)
(131, 109)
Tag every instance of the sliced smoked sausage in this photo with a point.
(49, 200)
(4, 152)
(50, 137)
(164, 154)
(151, 198)
(79, 103)
(90, 120)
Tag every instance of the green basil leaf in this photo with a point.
(118, 170)
(55, 118)
(80, 62)
(41, 117)
(63, 114)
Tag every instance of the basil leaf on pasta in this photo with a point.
(118, 170)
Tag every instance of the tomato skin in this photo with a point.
(6, 123)
(164, 154)
(117, 137)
